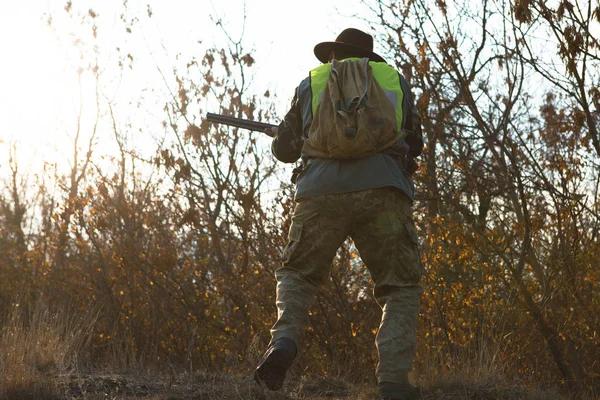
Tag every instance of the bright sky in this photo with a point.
(39, 91)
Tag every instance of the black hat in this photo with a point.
(350, 40)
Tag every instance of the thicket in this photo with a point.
(174, 253)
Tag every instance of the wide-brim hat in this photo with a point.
(350, 40)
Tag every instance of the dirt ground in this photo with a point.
(229, 387)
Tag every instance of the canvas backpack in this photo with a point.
(355, 118)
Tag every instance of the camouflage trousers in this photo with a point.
(380, 223)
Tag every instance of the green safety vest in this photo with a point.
(387, 77)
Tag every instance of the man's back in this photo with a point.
(317, 175)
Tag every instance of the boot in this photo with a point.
(274, 364)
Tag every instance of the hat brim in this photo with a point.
(322, 51)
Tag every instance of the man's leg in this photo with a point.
(319, 227)
(385, 236)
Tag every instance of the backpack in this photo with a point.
(355, 118)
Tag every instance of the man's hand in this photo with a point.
(272, 131)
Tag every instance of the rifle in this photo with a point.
(240, 123)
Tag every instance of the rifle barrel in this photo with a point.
(239, 122)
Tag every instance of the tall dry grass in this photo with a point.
(37, 348)
(42, 350)
(477, 372)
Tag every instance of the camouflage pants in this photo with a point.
(380, 223)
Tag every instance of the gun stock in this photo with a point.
(239, 123)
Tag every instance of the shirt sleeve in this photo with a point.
(412, 122)
(287, 145)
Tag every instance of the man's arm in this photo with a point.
(412, 121)
(287, 144)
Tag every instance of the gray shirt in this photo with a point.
(325, 176)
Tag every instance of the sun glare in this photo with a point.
(41, 91)
(39, 86)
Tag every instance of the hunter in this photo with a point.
(354, 125)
